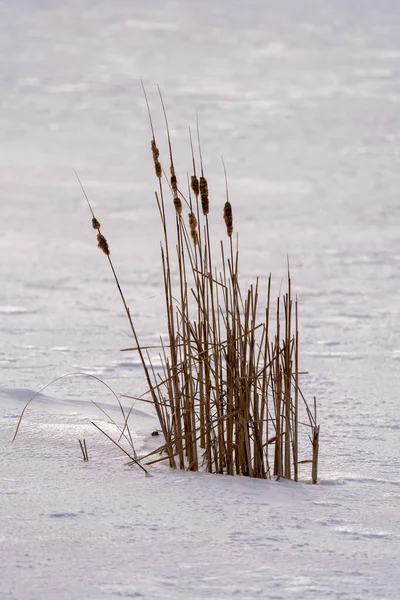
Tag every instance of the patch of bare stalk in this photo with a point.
(82, 444)
(227, 396)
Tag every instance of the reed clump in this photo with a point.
(227, 395)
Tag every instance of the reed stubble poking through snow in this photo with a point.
(227, 396)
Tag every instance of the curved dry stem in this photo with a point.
(59, 379)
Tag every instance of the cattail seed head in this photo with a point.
(192, 221)
(156, 153)
(193, 228)
(205, 205)
(228, 218)
(95, 223)
(178, 205)
(174, 181)
(154, 150)
(157, 166)
(203, 186)
(103, 244)
(195, 237)
(194, 183)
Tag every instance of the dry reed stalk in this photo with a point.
(287, 378)
(82, 444)
(133, 460)
(315, 445)
(315, 449)
(296, 398)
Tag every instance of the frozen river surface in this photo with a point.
(302, 99)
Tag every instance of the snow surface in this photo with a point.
(302, 99)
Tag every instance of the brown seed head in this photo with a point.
(178, 205)
(193, 228)
(103, 244)
(95, 223)
(228, 218)
(192, 221)
(205, 205)
(156, 153)
(154, 150)
(174, 181)
(203, 186)
(194, 183)
(195, 237)
(157, 166)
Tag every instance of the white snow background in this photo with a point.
(302, 99)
